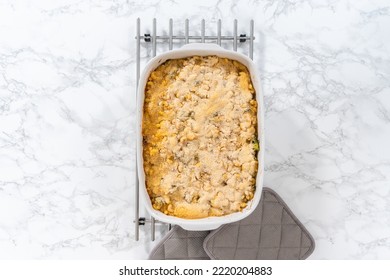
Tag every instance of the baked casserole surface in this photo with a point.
(199, 133)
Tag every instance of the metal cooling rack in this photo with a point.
(153, 39)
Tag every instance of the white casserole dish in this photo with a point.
(200, 49)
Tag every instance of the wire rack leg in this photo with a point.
(136, 220)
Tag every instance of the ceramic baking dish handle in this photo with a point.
(202, 46)
(200, 226)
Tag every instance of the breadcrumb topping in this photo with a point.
(200, 137)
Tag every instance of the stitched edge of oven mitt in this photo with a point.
(271, 232)
(180, 244)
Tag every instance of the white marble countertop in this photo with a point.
(67, 120)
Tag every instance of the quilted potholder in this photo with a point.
(181, 244)
(271, 232)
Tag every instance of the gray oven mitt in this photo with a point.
(180, 244)
(271, 232)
